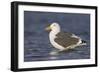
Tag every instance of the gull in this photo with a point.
(63, 40)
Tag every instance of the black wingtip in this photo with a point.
(84, 41)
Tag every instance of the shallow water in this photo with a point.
(36, 42)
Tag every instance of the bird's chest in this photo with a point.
(51, 38)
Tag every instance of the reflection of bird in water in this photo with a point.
(63, 40)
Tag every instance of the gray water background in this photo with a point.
(36, 40)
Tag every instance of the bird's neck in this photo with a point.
(54, 32)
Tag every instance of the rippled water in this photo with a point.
(36, 42)
(37, 49)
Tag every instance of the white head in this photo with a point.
(54, 27)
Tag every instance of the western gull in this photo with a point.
(63, 40)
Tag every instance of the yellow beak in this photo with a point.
(48, 28)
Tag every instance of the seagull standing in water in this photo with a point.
(63, 40)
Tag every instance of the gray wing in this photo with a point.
(64, 34)
(65, 39)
